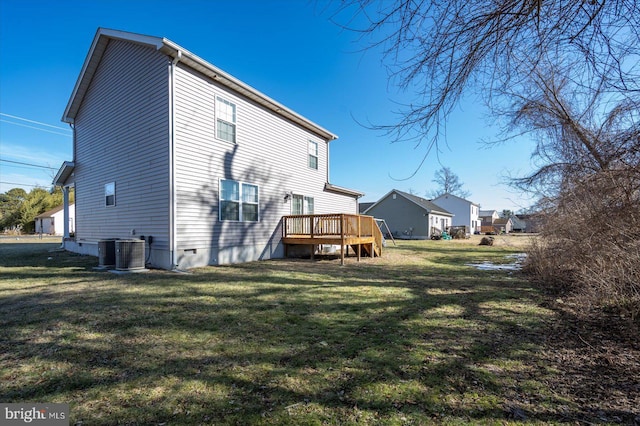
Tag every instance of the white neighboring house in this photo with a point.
(466, 213)
(52, 222)
(171, 148)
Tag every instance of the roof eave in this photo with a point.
(63, 173)
(344, 191)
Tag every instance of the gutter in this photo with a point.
(173, 204)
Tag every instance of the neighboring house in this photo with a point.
(466, 213)
(362, 207)
(518, 225)
(533, 222)
(169, 147)
(487, 217)
(52, 222)
(503, 225)
(409, 216)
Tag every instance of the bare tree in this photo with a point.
(448, 183)
(564, 72)
(440, 49)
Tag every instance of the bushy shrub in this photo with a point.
(590, 244)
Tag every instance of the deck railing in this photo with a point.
(342, 226)
(319, 225)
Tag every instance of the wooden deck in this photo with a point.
(345, 230)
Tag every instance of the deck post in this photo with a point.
(342, 247)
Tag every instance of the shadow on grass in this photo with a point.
(277, 342)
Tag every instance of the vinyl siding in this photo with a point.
(269, 152)
(401, 215)
(122, 137)
(460, 208)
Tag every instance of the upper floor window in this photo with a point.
(238, 201)
(110, 194)
(313, 154)
(225, 120)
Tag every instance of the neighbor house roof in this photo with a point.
(422, 202)
(447, 194)
(51, 212)
(488, 212)
(171, 49)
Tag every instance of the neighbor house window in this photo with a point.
(110, 194)
(302, 204)
(225, 120)
(238, 201)
(313, 155)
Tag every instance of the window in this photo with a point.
(226, 120)
(238, 201)
(110, 194)
(313, 155)
(302, 204)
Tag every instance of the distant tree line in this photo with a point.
(18, 208)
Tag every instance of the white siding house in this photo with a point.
(52, 221)
(409, 216)
(169, 146)
(466, 213)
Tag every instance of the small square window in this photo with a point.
(110, 194)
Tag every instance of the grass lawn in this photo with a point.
(413, 337)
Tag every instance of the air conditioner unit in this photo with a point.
(129, 255)
(107, 253)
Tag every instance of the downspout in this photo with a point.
(173, 224)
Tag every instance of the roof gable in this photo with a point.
(172, 50)
(419, 201)
(447, 194)
(51, 212)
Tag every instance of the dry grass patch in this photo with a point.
(414, 337)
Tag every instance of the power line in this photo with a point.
(33, 121)
(28, 164)
(36, 128)
(22, 184)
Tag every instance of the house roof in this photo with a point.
(51, 212)
(488, 212)
(421, 202)
(363, 207)
(63, 173)
(447, 194)
(518, 223)
(502, 221)
(171, 49)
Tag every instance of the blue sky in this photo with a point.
(287, 49)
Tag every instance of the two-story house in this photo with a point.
(170, 147)
(466, 213)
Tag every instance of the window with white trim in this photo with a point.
(312, 149)
(302, 204)
(110, 194)
(239, 201)
(225, 120)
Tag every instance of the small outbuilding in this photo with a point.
(51, 222)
